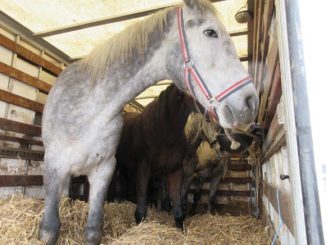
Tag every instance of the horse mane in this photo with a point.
(165, 103)
(124, 46)
(205, 6)
(131, 42)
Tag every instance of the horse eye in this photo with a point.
(211, 33)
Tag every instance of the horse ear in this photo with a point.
(190, 3)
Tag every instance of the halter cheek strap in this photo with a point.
(191, 71)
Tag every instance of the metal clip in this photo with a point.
(212, 100)
(188, 64)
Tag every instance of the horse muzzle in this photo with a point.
(241, 115)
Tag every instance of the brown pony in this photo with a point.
(153, 145)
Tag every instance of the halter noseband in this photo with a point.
(190, 69)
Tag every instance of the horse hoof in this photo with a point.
(211, 207)
(49, 234)
(139, 217)
(93, 235)
(179, 222)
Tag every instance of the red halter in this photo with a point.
(190, 69)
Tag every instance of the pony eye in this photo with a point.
(211, 33)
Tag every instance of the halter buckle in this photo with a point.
(212, 100)
(188, 63)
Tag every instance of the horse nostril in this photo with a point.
(251, 103)
(228, 114)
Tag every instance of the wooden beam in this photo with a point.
(237, 180)
(238, 33)
(233, 193)
(285, 204)
(267, 19)
(101, 21)
(25, 154)
(264, 12)
(14, 27)
(261, 44)
(250, 36)
(20, 180)
(274, 97)
(20, 101)
(146, 97)
(29, 55)
(106, 20)
(225, 193)
(136, 105)
(162, 84)
(30, 180)
(273, 130)
(20, 140)
(19, 127)
(278, 143)
(239, 167)
(234, 180)
(268, 79)
(275, 139)
(24, 77)
(257, 35)
(244, 58)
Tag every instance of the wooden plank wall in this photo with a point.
(276, 193)
(26, 77)
(236, 186)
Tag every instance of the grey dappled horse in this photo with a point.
(83, 115)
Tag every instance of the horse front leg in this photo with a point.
(189, 167)
(218, 173)
(99, 179)
(174, 189)
(54, 181)
(142, 178)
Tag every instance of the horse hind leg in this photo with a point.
(54, 180)
(99, 179)
(174, 189)
(142, 179)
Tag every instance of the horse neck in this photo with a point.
(194, 125)
(142, 73)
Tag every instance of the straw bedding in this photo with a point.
(20, 216)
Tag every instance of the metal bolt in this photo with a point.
(284, 176)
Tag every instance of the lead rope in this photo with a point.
(277, 234)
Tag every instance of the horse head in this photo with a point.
(209, 68)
